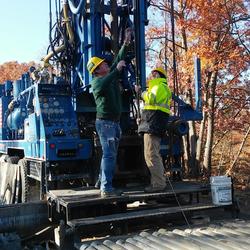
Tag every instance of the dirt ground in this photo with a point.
(224, 155)
(242, 201)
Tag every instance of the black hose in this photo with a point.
(50, 30)
(76, 10)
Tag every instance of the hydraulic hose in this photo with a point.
(76, 10)
(61, 48)
(67, 21)
(47, 58)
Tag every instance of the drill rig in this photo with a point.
(48, 143)
(48, 137)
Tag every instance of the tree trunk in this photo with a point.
(192, 140)
(186, 154)
(210, 124)
(200, 148)
(208, 145)
(200, 141)
(193, 145)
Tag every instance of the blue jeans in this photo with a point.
(109, 133)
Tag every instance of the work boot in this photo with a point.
(107, 194)
(152, 189)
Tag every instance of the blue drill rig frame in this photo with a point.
(48, 131)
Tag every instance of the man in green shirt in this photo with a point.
(107, 95)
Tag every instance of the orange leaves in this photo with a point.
(13, 70)
(216, 31)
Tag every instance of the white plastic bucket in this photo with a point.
(221, 189)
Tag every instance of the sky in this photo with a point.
(24, 30)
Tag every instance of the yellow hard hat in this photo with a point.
(161, 70)
(93, 63)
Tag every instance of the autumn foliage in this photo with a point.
(13, 70)
(218, 33)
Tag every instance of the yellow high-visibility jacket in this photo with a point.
(158, 96)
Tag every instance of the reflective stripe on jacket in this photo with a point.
(158, 96)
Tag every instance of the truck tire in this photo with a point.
(24, 186)
(8, 183)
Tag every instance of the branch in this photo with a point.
(241, 41)
(163, 37)
(168, 9)
(230, 87)
(225, 132)
(240, 150)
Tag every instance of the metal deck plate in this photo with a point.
(88, 196)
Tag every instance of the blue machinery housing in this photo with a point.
(47, 120)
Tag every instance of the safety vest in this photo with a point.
(158, 96)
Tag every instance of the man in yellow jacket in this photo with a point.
(153, 125)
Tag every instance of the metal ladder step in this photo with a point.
(119, 217)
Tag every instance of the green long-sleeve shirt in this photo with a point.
(106, 91)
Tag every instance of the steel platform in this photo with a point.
(86, 213)
(89, 196)
(87, 202)
(135, 215)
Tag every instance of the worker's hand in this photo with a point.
(120, 65)
(138, 121)
(128, 35)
